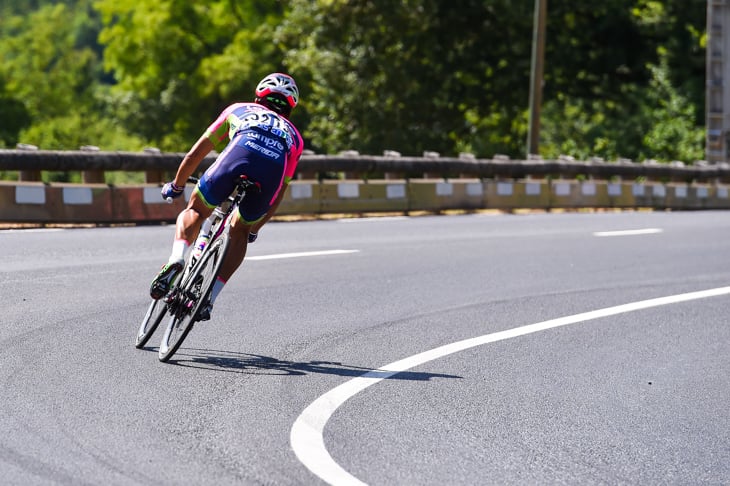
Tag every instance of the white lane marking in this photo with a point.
(372, 220)
(31, 230)
(645, 231)
(306, 435)
(302, 254)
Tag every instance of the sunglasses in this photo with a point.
(277, 101)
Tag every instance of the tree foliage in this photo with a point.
(177, 63)
(15, 117)
(623, 78)
(618, 101)
(51, 66)
(413, 69)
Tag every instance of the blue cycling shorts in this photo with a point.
(239, 158)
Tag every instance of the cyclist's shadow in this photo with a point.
(233, 362)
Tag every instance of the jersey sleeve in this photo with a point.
(219, 131)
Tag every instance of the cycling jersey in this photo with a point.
(270, 134)
(256, 142)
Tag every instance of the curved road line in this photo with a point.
(306, 435)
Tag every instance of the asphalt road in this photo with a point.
(341, 366)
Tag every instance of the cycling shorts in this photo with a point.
(245, 155)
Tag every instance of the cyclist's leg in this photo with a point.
(187, 227)
(214, 186)
(190, 219)
(237, 248)
(269, 174)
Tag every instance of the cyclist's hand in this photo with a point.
(252, 237)
(171, 190)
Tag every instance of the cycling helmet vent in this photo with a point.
(280, 83)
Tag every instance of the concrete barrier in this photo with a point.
(38, 203)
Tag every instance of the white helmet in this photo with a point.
(280, 83)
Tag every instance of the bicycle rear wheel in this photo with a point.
(194, 293)
(155, 312)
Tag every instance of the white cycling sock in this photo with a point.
(217, 287)
(179, 247)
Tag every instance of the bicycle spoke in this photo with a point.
(155, 313)
(192, 295)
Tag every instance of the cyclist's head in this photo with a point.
(278, 92)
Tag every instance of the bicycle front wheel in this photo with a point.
(155, 313)
(194, 294)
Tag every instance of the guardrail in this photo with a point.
(353, 183)
(93, 163)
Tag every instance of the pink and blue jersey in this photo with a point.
(267, 133)
(258, 143)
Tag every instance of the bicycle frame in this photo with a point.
(219, 219)
(182, 300)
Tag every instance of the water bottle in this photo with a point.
(203, 239)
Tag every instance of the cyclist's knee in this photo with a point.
(199, 205)
(196, 210)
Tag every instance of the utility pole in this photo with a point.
(717, 91)
(536, 76)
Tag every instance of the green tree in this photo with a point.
(14, 118)
(410, 76)
(178, 63)
(673, 132)
(623, 78)
(40, 64)
(631, 98)
(51, 65)
(677, 31)
(424, 75)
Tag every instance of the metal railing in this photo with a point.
(350, 165)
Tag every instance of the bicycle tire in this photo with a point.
(155, 312)
(194, 292)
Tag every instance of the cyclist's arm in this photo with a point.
(192, 159)
(272, 210)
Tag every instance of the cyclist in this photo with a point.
(254, 139)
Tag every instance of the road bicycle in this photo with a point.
(190, 293)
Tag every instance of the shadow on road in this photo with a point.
(255, 364)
